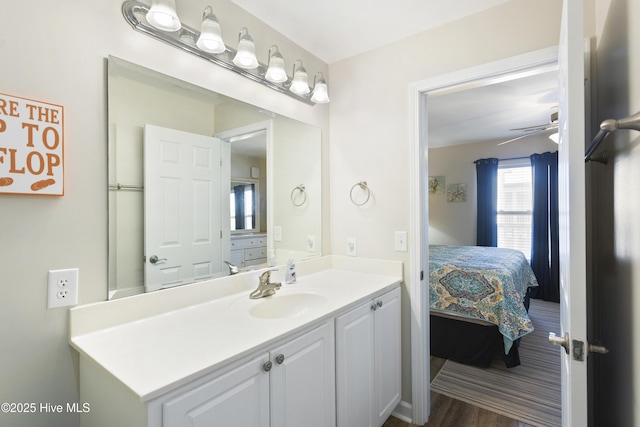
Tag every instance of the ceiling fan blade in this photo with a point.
(513, 139)
(539, 127)
(527, 135)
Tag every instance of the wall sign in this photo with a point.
(31, 147)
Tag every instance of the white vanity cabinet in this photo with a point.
(368, 365)
(247, 250)
(290, 385)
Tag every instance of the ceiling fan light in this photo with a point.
(210, 39)
(162, 15)
(246, 54)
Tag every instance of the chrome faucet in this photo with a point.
(232, 268)
(265, 287)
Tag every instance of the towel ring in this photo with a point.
(301, 189)
(363, 185)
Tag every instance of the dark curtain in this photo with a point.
(487, 181)
(545, 257)
(253, 205)
(239, 199)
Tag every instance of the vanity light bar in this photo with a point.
(185, 38)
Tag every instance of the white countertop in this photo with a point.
(155, 354)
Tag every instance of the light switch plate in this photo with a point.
(277, 233)
(400, 239)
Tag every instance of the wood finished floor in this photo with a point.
(448, 412)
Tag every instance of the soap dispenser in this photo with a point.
(291, 272)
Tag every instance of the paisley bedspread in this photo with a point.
(482, 283)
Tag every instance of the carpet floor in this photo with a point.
(529, 393)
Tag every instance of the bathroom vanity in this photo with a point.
(322, 352)
(248, 250)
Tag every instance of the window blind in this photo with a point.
(515, 206)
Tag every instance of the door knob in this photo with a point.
(563, 341)
(154, 258)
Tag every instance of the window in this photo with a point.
(243, 204)
(515, 205)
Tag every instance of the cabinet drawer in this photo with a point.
(248, 242)
(255, 253)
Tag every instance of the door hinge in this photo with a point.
(422, 275)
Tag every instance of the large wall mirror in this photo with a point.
(198, 181)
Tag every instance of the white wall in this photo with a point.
(370, 121)
(454, 223)
(56, 52)
(616, 229)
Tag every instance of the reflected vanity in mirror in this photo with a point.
(197, 179)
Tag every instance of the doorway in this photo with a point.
(420, 93)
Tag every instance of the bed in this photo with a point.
(478, 299)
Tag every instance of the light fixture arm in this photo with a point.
(134, 12)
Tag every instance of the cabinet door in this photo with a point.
(355, 367)
(239, 398)
(303, 380)
(388, 363)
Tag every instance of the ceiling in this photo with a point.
(334, 30)
(337, 29)
(493, 111)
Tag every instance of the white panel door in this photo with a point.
(355, 372)
(388, 363)
(184, 189)
(303, 380)
(572, 204)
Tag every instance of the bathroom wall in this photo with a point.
(56, 52)
(370, 121)
(454, 223)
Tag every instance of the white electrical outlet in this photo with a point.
(277, 233)
(62, 287)
(352, 246)
(311, 243)
(401, 241)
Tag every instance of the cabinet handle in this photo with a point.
(379, 303)
(267, 365)
(373, 307)
(280, 359)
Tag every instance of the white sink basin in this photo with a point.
(287, 305)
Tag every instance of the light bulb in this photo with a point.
(246, 55)
(276, 72)
(210, 39)
(320, 93)
(300, 82)
(162, 15)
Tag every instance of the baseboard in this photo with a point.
(403, 412)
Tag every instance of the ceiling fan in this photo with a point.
(535, 130)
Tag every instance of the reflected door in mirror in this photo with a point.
(183, 222)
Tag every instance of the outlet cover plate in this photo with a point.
(352, 246)
(311, 243)
(62, 287)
